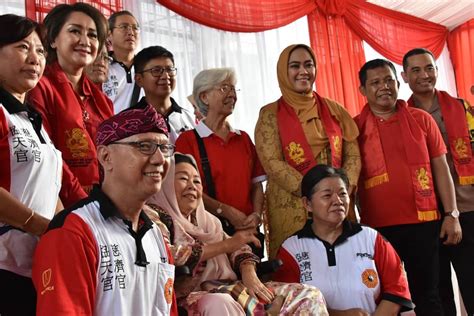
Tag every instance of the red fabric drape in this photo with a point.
(241, 15)
(38, 9)
(393, 33)
(461, 48)
(339, 55)
(337, 28)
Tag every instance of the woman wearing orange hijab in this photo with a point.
(295, 133)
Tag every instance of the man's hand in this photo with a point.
(452, 230)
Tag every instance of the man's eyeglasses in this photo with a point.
(158, 71)
(226, 88)
(149, 148)
(126, 27)
(104, 57)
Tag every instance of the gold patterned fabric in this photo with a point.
(285, 211)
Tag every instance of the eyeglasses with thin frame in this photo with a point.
(226, 88)
(158, 71)
(105, 58)
(126, 27)
(149, 148)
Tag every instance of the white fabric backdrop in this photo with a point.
(197, 47)
(253, 55)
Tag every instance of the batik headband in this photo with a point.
(130, 122)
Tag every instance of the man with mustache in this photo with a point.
(455, 120)
(104, 256)
(403, 166)
(124, 36)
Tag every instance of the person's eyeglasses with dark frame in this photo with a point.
(149, 148)
(158, 71)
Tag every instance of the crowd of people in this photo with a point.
(107, 183)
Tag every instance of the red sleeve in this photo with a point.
(40, 97)
(289, 272)
(64, 270)
(394, 284)
(71, 190)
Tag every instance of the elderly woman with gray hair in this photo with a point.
(226, 157)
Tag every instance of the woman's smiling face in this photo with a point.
(301, 70)
(188, 187)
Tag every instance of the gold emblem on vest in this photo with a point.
(460, 147)
(76, 141)
(295, 152)
(337, 145)
(423, 179)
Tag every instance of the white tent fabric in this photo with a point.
(446, 12)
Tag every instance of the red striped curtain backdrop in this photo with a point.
(337, 28)
(461, 48)
(37, 9)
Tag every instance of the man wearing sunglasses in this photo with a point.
(155, 73)
(124, 36)
(104, 256)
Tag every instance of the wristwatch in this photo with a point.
(219, 209)
(453, 214)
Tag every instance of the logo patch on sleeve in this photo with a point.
(46, 278)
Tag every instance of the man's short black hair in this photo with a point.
(372, 64)
(415, 51)
(115, 15)
(149, 53)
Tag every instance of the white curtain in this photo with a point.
(197, 47)
(252, 55)
(12, 6)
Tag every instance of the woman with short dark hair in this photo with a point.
(356, 269)
(30, 173)
(72, 106)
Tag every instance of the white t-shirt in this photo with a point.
(31, 170)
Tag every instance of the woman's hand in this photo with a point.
(37, 225)
(253, 284)
(240, 239)
(234, 216)
(253, 220)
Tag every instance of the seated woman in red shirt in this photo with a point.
(72, 107)
(356, 269)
